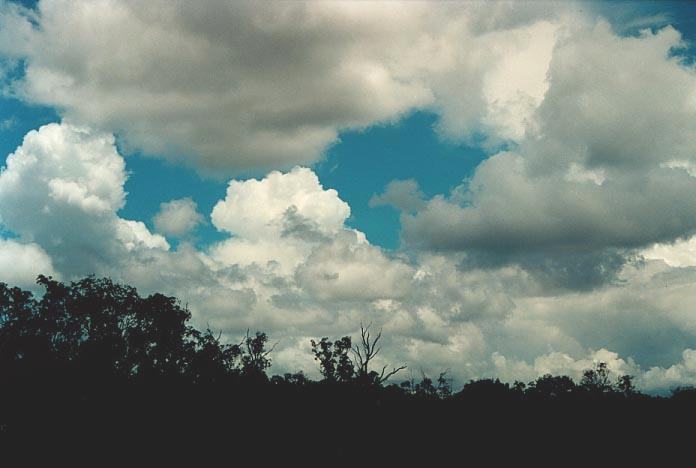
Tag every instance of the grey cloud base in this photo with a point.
(296, 271)
(603, 171)
(228, 86)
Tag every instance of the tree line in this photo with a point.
(94, 357)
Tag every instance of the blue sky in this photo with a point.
(552, 223)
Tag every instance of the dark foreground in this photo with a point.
(93, 374)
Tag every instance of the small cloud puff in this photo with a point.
(404, 195)
(177, 218)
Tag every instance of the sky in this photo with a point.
(506, 189)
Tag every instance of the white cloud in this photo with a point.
(61, 189)
(681, 253)
(349, 269)
(600, 130)
(262, 208)
(134, 235)
(15, 29)
(276, 219)
(404, 195)
(679, 374)
(233, 85)
(294, 269)
(21, 263)
(594, 178)
(496, 81)
(240, 85)
(557, 364)
(177, 218)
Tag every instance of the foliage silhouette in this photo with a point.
(335, 364)
(549, 387)
(93, 364)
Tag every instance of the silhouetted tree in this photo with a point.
(365, 352)
(255, 358)
(212, 361)
(625, 386)
(408, 386)
(97, 326)
(427, 389)
(335, 364)
(487, 390)
(444, 386)
(297, 379)
(94, 358)
(519, 387)
(549, 387)
(685, 394)
(597, 381)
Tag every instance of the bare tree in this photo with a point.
(365, 352)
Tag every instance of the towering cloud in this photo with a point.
(61, 189)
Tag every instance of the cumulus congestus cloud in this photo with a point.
(297, 271)
(570, 243)
(62, 189)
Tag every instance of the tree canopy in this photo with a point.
(95, 357)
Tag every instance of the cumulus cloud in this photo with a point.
(229, 86)
(599, 130)
(349, 269)
(21, 263)
(298, 192)
(653, 379)
(556, 363)
(15, 29)
(603, 173)
(61, 189)
(276, 219)
(404, 195)
(295, 270)
(177, 218)
(679, 374)
(681, 253)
